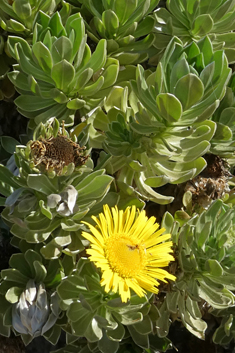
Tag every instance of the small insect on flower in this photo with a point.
(129, 250)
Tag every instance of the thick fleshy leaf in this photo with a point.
(43, 56)
(98, 58)
(63, 74)
(13, 294)
(202, 25)
(75, 104)
(32, 103)
(189, 90)
(62, 48)
(108, 346)
(110, 21)
(124, 9)
(41, 183)
(22, 8)
(169, 107)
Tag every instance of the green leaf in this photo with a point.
(40, 271)
(14, 275)
(110, 75)
(180, 69)
(206, 48)
(85, 317)
(124, 9)
(79, 42)
(99, 25)
(58, 96)
(45, 210)
(117, 98)
(106, 345)
(189, 90)
(19, 262)
(16, 26)
(63, 74)
(202, 25)
(145, 326)
(159, 77)
(157, 181)
(218, 299)
(43, 56)
(41, 183)
(207, 74)
(71, 287)
(82, 79)
(7, 177)
(128, 58)
(22, 8)
(62, 48)
(13, 294)
(95, 189)
(140, 340)
(116, 334)
(214, 268)
(91, 89)
(169, 107)
(129, 318)
(98, 58)
(53, 334)
(19, 79)
(110, 21)
(144, 27)
(53, 249)
(55, 23)
(27, 65)
(32, 103)
(75, 104)
(9, 144)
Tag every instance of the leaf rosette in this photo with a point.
(163, 136)
(192, 20)
(100, 317)
(205, 257)
(29, 302)
(18, 16)
(57, 74)
(44, 206)
(223, 141)
(124, 24)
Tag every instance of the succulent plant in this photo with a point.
(102, 318)
(204, 250)
(7, 89)
(223, 142)
(127, 345)
(18, 16)
(53, 192)
(57, 74)
(29, 302)
(192, 20)
(124, 24)
(163, 137)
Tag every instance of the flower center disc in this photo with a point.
(125, 257)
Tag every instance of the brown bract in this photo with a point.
(55, 153)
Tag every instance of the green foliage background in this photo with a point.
(145, 92)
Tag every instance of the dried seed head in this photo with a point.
(56, 152)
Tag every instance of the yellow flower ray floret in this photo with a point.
(130, 251)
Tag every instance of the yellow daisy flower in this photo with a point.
(129, 250)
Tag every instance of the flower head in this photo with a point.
(129, 250)
(56, 152)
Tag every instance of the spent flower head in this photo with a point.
(129, 250)
(56, 152)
